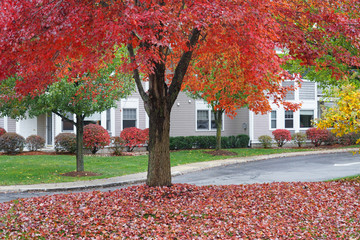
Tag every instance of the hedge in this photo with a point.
(208, 142)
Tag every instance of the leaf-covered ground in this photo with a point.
(329, 210)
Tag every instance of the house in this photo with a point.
(189, 118)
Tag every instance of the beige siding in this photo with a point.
(183, 120)
(261, 126)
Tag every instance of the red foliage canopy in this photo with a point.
(38, 37)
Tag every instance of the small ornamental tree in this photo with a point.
(2, 131)
(281, 136)
(95, 137)
(35, 142)
(317, 136)
(134, 137)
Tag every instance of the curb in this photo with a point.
(141, 177)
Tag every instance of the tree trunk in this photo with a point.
(79, 144)
(218, 123)
(159, 169)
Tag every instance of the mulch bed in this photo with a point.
(221, 153)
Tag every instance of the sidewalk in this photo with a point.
(141, 177)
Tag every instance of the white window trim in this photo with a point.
(202, 105)
(305, 109)
(277, 119)
(130, 103)
(293, 119)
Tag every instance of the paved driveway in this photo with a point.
(300, 168)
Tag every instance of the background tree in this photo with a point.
(344, 117)
(161, 36)
(222, 80)
(81, 96)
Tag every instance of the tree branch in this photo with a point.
(136, 75)
(182, 67)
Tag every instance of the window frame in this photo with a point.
(71, 117)
(211, 119)
(288, 119)
(313, 116)
(273, 119)
(123, 117)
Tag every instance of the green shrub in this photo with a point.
(35, 142)
(12, 143)
(265, 141)
(299, 138)
(65, 142)
(117, 145)
(242, 141)
(206, 142)
(181, 143)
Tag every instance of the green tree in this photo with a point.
(81, 96)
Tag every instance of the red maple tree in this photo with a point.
(37, 37)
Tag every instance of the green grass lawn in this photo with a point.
(48, 168)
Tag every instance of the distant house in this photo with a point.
(189, 118)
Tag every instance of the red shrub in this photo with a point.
(134, 137)
(281, 136)
(95, 137)
(12, 143)
(65, 142)
(2, 131)
(317, 136)
(35, 142)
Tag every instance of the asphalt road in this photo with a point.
(309, 168)
(317, 167)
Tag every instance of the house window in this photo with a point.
(108, 120)
(93, 119)
(129, 117)
(289, 119)
(306, 117)
(206, 123)
(202, 120)
(66, 124)
(273, 119)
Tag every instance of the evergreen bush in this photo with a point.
(12, 143)
(35, 142)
